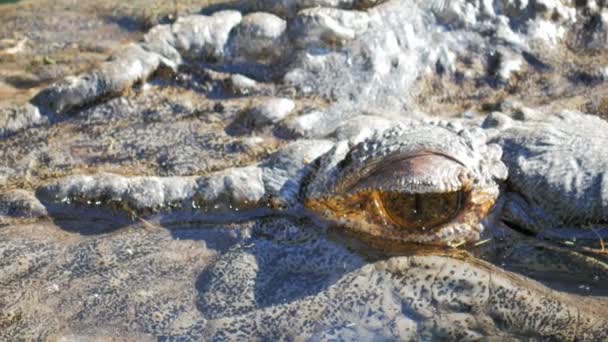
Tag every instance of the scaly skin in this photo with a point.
(145, 199)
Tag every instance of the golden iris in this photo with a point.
(419, 211)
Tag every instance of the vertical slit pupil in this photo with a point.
(421, 211)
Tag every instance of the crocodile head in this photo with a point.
(163, 195)
(421, 182)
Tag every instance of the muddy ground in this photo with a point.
(44, 40)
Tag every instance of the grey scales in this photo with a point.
(318, 170)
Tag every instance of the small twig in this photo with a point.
(592, 250)
(175, 10)
(146, 224)
(602, 245)
(482, 242)
(457, 244)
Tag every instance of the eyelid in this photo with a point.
(424, 153)
(420, 172)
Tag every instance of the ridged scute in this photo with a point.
(559, 165)
(467, 147)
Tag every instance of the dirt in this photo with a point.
(42, 41)
(561, 80)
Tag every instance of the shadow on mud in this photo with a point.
(284, 261)
(85, 220)
(262, 261)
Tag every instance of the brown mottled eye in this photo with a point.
(426, 198)
(420, 211)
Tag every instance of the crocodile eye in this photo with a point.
(423, 197)
(419, 211)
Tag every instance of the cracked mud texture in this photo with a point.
(220, 175)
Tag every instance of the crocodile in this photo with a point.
(265, 171)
